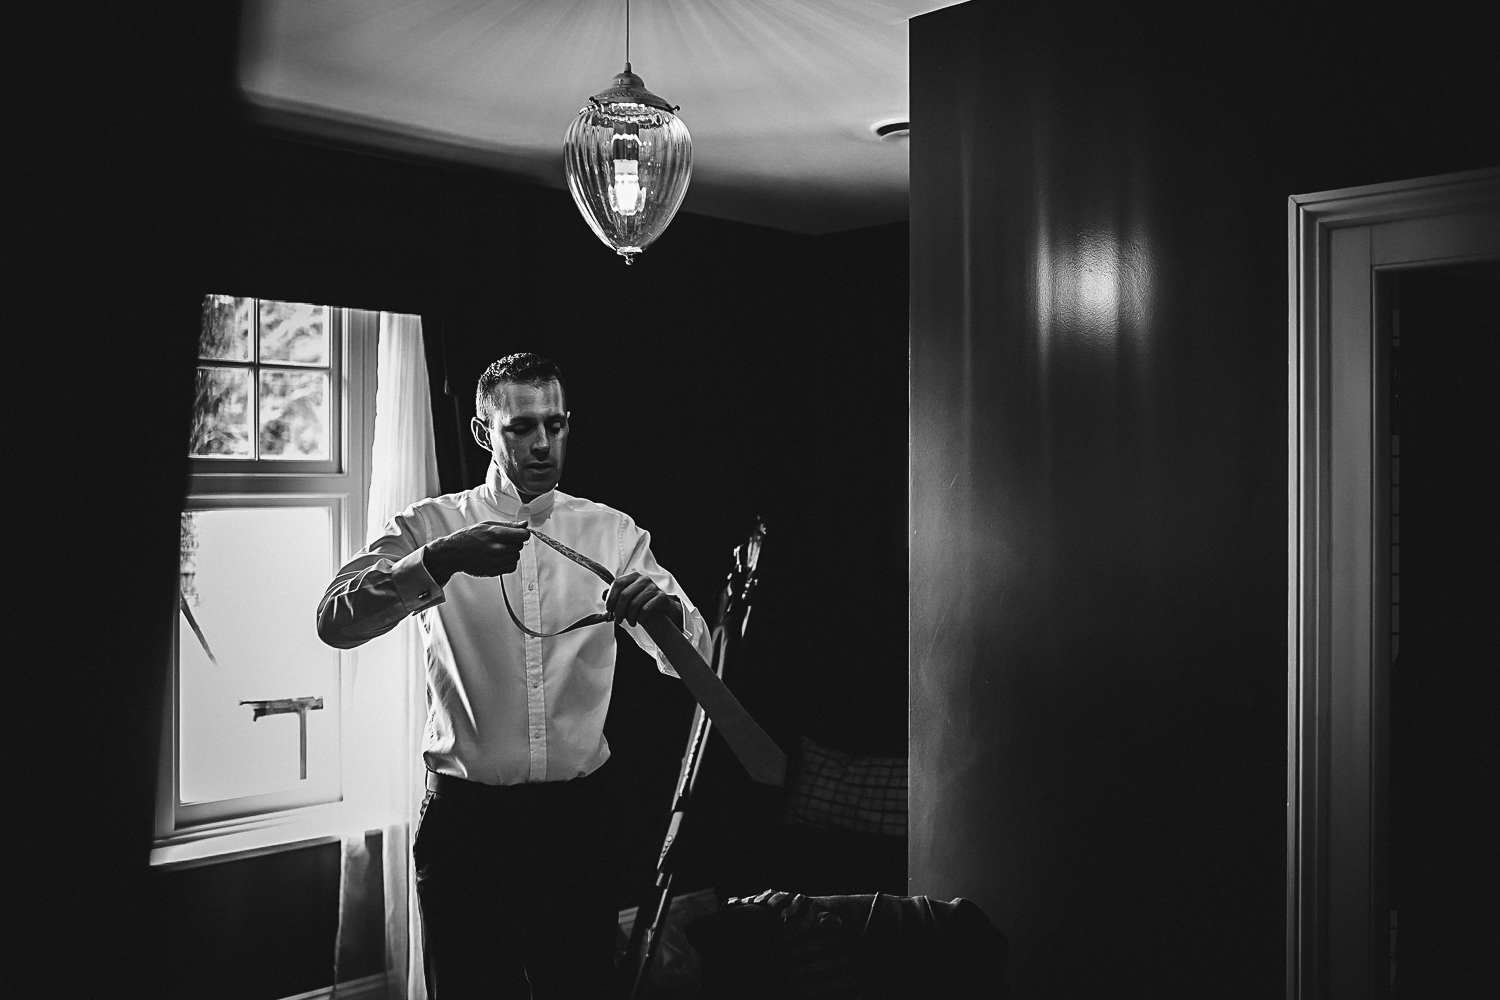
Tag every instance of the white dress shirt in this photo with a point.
(504, 707)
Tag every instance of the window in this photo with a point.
(253, 735)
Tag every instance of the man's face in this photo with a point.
(528, 434)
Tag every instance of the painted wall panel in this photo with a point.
(1098, 431)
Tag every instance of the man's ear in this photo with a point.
(481, 433)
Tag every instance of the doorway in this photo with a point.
(1372, 818)
(1445, 597)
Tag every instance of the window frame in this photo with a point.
(231, 467)
(198, 833)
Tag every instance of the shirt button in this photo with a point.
(531, 586)
(537, 733)
(536, 684)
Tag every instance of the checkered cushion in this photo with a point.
(832, 789)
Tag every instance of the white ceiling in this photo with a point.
(781, 96)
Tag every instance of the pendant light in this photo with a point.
(628, 159)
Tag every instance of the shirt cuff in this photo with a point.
(415, 586)
(664, 665)
(697, 631)
(695, 628)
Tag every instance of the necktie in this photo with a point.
(759, 754)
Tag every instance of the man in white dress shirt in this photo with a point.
(515, 850)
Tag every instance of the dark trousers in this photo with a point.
(517, 888)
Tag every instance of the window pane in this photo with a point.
(293, 415)
(293, 333)
(226, 328)
(255, 577)
(221, 414)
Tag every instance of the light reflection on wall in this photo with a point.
(1094, 288)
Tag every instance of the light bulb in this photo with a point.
(625, 194)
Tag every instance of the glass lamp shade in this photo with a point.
(628, 159)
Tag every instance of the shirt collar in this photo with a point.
(505, 496)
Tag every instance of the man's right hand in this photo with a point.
(489, 548)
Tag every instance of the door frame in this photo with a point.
(1342, 247)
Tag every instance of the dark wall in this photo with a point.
(257, 928)
(112, 108)
(1098, 504)
(756, 372)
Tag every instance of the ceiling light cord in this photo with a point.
(627, 36)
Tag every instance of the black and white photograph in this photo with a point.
(754, 500)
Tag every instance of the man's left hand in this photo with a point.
(632, 598)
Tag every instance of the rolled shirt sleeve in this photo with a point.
(382, 584)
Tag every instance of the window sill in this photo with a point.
(247, 837)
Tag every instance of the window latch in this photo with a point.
(285, 706)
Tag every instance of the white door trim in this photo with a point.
(1339, 243)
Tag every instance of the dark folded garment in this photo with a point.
(877, 947)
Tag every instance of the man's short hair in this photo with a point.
(524, 369)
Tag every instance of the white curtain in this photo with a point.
(384, 773)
